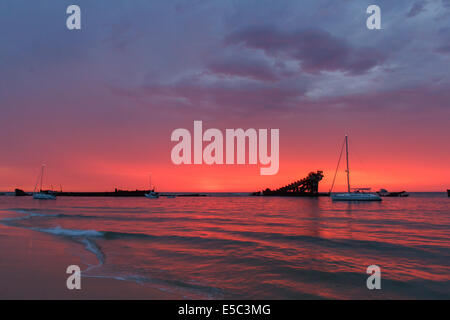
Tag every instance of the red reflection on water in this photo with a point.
(258, 247)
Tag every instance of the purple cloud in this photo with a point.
(253, 69)
(196, 98)
(316, 50)
(444, 49)
(421, 98)
(417, 8)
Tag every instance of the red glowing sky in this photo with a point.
(98, 106)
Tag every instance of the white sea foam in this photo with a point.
(70, 232)
(91, 246)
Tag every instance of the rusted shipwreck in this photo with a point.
(306, 187)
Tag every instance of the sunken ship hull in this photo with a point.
(306, 187)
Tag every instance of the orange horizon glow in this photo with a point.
(105, 160)
(103, 176)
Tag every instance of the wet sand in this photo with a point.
(33, 266)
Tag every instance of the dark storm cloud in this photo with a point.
(202, 52)
(317, 50)
(417, 8)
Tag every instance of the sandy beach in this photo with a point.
(33, 266)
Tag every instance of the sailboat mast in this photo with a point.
(42, 176)
(348, 170)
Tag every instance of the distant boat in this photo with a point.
(152, 194)
(385, 193)
(354, 196)
(42, 195)
(358, 194)
(20, 193)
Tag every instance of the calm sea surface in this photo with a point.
(253, 247)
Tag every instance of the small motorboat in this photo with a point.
(385, 193)
(152, 195)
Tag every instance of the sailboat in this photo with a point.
(358, 194)
(41, 195)
(152, 194)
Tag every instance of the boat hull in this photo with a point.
(152, 195)
(385, 193)
(43, 196)
(355, 197)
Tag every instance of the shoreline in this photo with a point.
(112, 194)
(33, 266)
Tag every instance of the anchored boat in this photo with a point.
(42, 195)
(355, 196)
(385, 193)
(152, 194)
(359, 194)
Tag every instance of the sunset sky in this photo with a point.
(98, 105)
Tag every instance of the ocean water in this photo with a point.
(232, 247)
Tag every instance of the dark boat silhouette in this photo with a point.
(385, 193)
